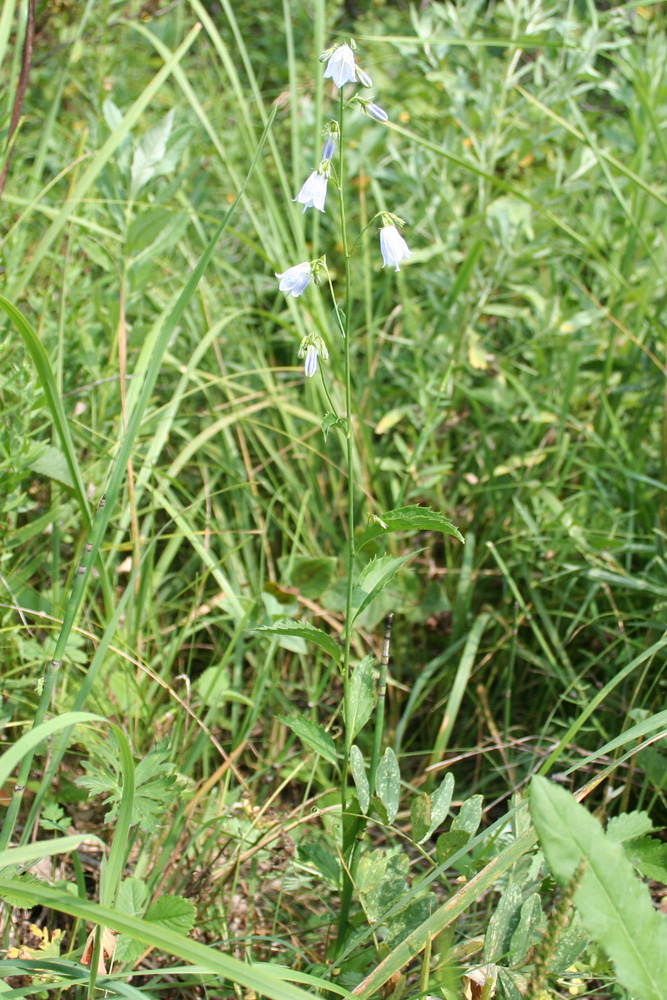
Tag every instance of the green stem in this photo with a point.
(347, 824)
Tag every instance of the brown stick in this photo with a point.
(22, 87)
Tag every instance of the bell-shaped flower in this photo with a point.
(329, 148)
(310, 364)
(295, 280)
(312, 349)
(341, 67)
(313, 194)
(393, 247)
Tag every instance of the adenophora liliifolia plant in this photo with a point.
(342, 69)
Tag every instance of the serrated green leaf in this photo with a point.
(373, 578)
(613, 905)
(388, 783)
(649, 855)
(470, 815)
(313, 735)
(629, 826)
(413, 518)
(420, 815)
(304, 630)
(168, 912)
(362, 696)
(360, 778)
(174, 912)
(441, 800)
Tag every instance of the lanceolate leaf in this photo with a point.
(373, 578)
(613, 905)
(360, 778)
(412, 518)
(362, 696)
(313, 735)
(388, 783)
(287, 626)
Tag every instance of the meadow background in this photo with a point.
(511, 376)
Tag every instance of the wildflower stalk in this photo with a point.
(346, 897)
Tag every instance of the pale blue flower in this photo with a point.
(341, 67)
(313, 194)
(310, 364)
(329, 149)
(374, 111)
(295, 280)
(312, 349)
(393, 247)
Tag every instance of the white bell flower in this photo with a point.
(295, 280)
(393, 247)
(313, 194)
(341, 67)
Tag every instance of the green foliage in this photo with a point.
(509, 381)
(155, 777)
(614, 906)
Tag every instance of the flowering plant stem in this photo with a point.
(347, 841)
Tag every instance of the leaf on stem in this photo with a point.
(412, 518)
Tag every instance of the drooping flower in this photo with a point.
(295, 280)
(329, 148)
(313, 194)
(310, 364)
(312, 349)
(341, 67)
(393, 247)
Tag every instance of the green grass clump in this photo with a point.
(510, 377)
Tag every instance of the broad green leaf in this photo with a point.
(51, 462)
(441, 799)
(449, 843)
(412, 518)
(370, 870)
(470, 815)
(312, 576)
(360, 778)
(304, 630)
(510, 982)
(388, 783)
(362, 696)
(373, 578)
(529, 920)
(613, 905)
(420, 814)
(502, 924)
(313, 735)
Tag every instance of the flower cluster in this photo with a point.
(342, 69)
